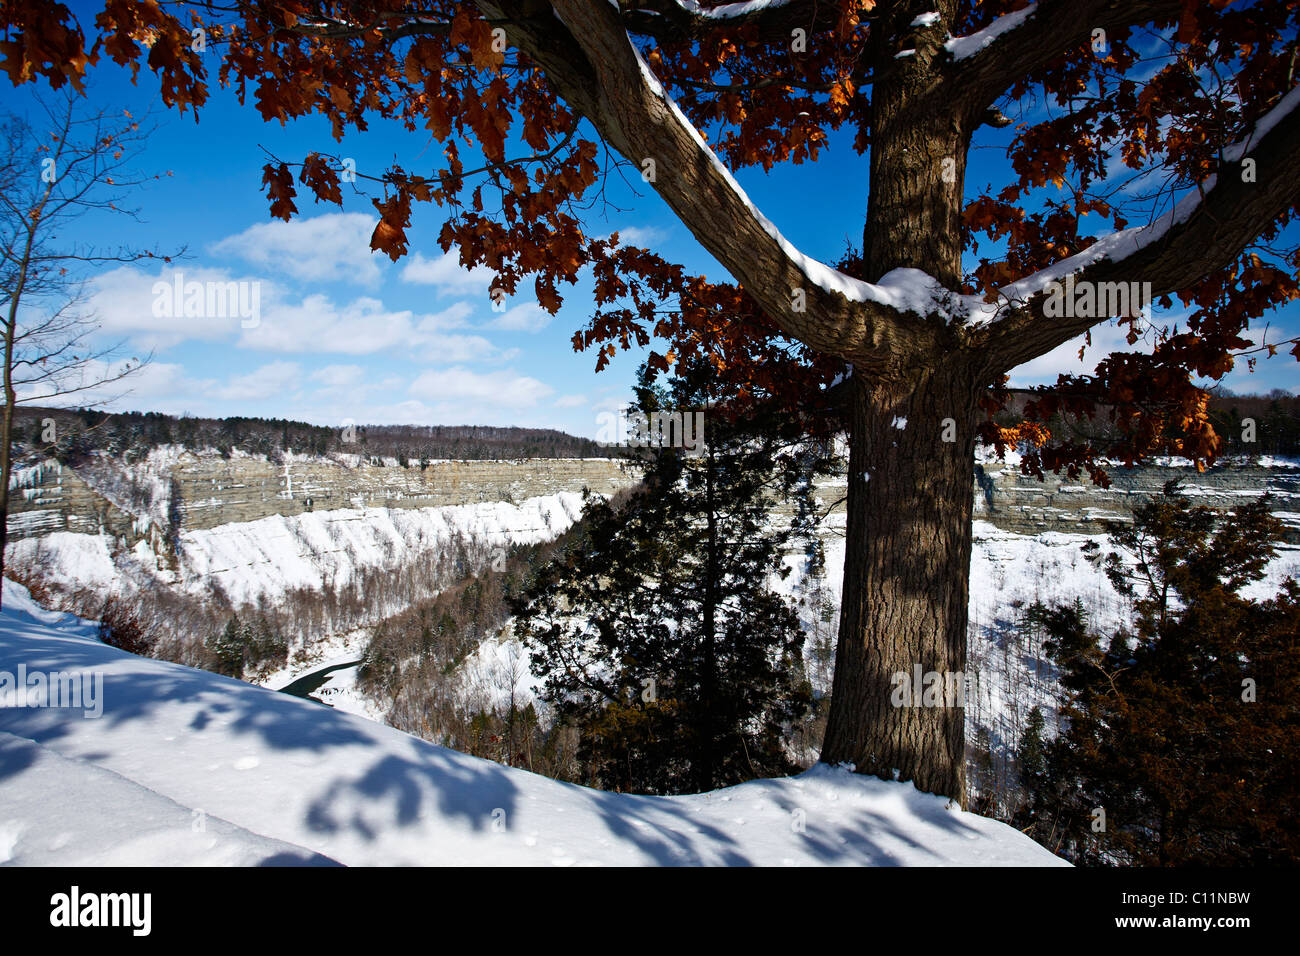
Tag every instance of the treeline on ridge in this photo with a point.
(78, 432)
(1275, 417)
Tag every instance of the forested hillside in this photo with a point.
(1248, 424)
(77, 432)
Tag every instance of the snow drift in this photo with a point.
(186, 767)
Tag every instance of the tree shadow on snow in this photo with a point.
(458, 785)
(139, 694)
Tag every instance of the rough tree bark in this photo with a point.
(907, 557)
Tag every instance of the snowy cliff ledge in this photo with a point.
(187, 768)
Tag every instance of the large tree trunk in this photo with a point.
(911, 462)
(906, 579)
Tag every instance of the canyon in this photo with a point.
(174, 491)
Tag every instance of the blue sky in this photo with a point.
(347, 335)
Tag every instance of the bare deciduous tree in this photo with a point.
(78, 164)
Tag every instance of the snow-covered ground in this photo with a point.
(186, 767)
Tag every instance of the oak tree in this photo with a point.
(1142, 141)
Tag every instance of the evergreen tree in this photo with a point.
(1184, 728)
(1031, 753)
(264, 643)
(658, 633)
(228, 648)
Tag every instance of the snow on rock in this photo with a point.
(277, 553)
(75, 560)
(280, 779)
(140, 488)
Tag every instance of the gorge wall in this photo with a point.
(1021, 503)
(196, 492)
(157, 499)
(1011, 501)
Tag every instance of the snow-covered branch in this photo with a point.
(1204, 231)
(681, 19)
(810, 301)
(729, 11)
(987, 62)
(1125, 243)
(963, 47)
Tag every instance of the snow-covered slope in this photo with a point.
(255, 560)
(185, 767)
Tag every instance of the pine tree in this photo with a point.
(228, 648)
(1185, 728)
(1031, 753)
(658, 632)
(264, 643)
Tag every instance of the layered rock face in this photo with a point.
(1020, 503)
(197, 492)
(214, 492)
(50, 497)
(1016, 502)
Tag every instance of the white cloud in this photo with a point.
(1064, 359)
(339, 376)
(333, 394)
(452, 349)
(452, 317)
(501, 389)
(526, 317)
(365, 327)
(645, 236)
(272, 380)
(360, 327)
(121, 303)
(147, 383)
(448, 275)
(323, 248)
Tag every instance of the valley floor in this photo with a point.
(184, 767)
